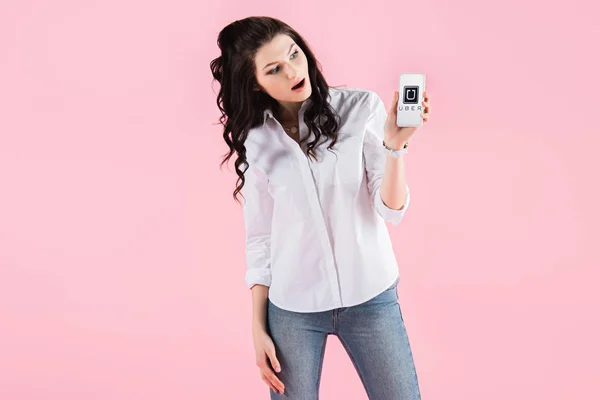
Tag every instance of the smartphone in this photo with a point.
(411, 88)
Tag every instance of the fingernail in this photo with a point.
(277, 369)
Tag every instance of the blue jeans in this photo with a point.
(373, 335)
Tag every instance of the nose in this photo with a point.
(290, 72)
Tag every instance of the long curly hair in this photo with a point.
(242, 108)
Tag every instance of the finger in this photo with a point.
(275, 383)
(269, 384)
(268, 373)
(274, 361)
(426, 107)
(269, 377)
(393, 108)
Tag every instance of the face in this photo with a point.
(280, 64)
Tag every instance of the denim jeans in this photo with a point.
(373, 334)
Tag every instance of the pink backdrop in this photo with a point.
(122, 251)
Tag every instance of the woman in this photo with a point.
(319, 181)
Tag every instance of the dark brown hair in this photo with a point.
(242, 108)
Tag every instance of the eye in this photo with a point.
(274, 70)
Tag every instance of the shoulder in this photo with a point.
(352, 94)
(256, 140)
(353, 99)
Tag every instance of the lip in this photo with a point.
(297, 82)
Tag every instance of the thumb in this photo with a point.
(394, 106)
(274, 361)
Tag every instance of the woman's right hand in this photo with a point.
(265, 351)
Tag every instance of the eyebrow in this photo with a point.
(275, 62)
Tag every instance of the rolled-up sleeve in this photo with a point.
(374, 157)
(258, 215)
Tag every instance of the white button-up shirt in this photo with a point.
(315, 230)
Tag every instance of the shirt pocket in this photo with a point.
(345, 168)
(280, 169)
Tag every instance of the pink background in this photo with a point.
(122, 251)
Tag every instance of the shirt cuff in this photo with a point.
(258, 276)
(387, 213)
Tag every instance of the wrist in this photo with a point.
(259, 327)
(394, 143)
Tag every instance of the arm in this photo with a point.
(260, 293)
(386, 178)
(258, 215)
(394, 189)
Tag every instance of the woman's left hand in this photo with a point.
(396, 136)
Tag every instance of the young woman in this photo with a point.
(319, 181)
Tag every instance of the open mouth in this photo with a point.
(300, 85)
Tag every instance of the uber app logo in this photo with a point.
(411, 94)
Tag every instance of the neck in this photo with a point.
(288, 112)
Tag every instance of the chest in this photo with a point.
(289, 167)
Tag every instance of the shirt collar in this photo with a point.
(269, 113)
